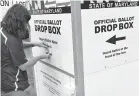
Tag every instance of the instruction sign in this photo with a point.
(110, 34)
(51, 82)
(53, 27)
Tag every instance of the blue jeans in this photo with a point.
(27, 92)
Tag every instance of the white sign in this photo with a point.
(51, 82)
(110, 35)
(53, 26)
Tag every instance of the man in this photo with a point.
(15, 28)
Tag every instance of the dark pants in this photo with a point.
(27, 92)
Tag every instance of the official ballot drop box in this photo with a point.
(85, 37)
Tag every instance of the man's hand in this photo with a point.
(41, 44)
(33, 44)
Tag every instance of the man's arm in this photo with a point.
(28, 44)
(32, 61)
(33, 44)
